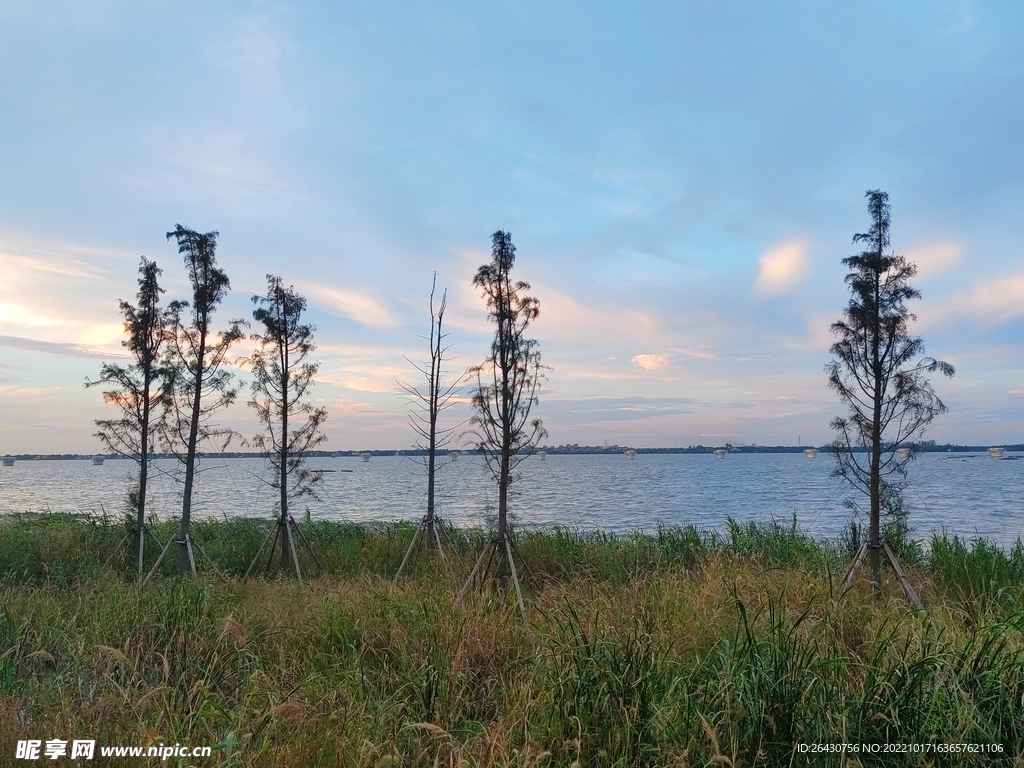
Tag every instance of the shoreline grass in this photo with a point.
(681, 647)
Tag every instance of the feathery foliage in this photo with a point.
(199, 385)
(507, 382)
(878, 371)
(282, 375)
(137, 389)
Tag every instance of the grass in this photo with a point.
(684, 647)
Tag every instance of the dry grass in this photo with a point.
(652, 651)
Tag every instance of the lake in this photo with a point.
(967, 494)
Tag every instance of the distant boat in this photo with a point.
(902, 453)
(630, 453)
(543, 455)
(720, 453)
(453, 455)
(8, 461)
(365, 455)
(811, 453)
(97, 460)
(996, 453)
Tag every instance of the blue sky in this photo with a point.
(681, 182)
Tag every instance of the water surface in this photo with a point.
(966, 494)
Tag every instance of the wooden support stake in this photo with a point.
(515, 578)
(408, 552)
(908, 590)
(257, 557)
(270, 557)
(191, 555)
(306, 544)
(472, 574)
(437, 538)
(856, 562)
(159, 560)
(291, 546)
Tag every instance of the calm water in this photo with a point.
(967, 494)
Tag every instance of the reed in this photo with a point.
(678, 648)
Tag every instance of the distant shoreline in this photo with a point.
(560, 450)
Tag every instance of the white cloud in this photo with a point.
(651, 362)
(104, 334)
(782, 267)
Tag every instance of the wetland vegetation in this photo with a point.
(682, 647)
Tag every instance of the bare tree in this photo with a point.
(879, 372)
(198, 383)
(282, 376)
(137, 391)
(432, 400)
(507, 383)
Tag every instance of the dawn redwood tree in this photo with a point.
(507, 382)
(282, 376)
(879, 371)
(432, 399)
(136, 388)
(198, 384)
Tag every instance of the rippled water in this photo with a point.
(967, 494)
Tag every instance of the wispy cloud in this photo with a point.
(992, 301)
(361, 307)
(253, 54)
(61, 349)
(610, 409)
(61, 292)
(935, 257)
(564, 317)
(701, 353)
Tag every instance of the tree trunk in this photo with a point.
(504, 570)
(435, 384)
(286, 529)
(184, 556)
(431, 532)
(506, 336)
(874, 527)
(139, 540)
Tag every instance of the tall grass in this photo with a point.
(684, 647)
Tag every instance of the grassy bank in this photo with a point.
(679, 648)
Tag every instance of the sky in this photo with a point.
(681, 181)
